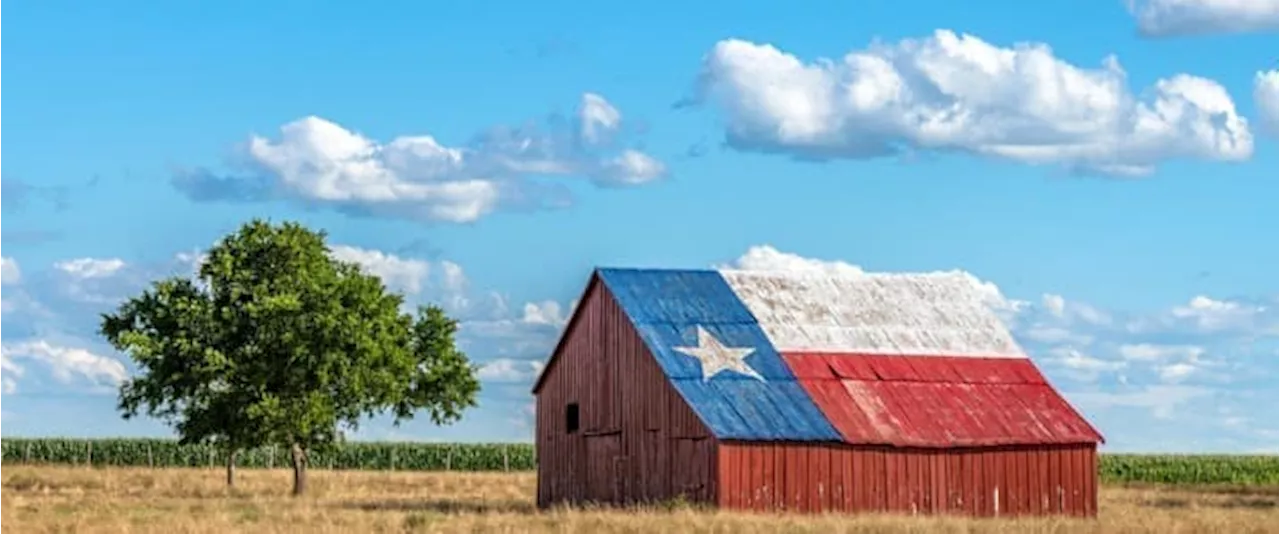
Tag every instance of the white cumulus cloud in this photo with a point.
(407, 275)
(1167, 18)
(319, 162)
(547, 312)
(87, 268)
(768, 258)
(509, 370)
(956, 92)
(66, 364)
(599, 120)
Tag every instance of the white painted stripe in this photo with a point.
(919, 315)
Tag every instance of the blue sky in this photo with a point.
(1109, 167)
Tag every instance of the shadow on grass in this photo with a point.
(442, 506)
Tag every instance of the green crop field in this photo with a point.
(1189, 469)
(367, 456)
(381, 456)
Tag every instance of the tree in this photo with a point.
(277, 342)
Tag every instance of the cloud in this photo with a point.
(1172, 18)
(66, 364)
(1136, 374)
(510, 370)
(1266, 98)
(1205, 315)
(547, 312)
(1161, 400)
(1082, 366)
(598, 119)
(86, 268)
(317, 162)
(10, 274)
(768, 258)
(957, 93)
(531, 335)
(96, 280)
(407, 275)
(444, 283)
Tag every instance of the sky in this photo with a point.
(1107, 166)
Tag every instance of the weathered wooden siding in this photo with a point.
(798, 477)
(639, 441)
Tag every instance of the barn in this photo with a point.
(809, 393)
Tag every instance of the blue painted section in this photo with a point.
(667, 306)
(675, 297)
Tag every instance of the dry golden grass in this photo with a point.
(66, 499)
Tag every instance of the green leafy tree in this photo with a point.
(277, 342)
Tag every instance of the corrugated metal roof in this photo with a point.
(898, 360)
(917, 314)
(667, 307)
(929, 401)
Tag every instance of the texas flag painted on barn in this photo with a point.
(905, 360)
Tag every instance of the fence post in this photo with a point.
(150, 461)
(271, 456)
(506, 458)
(89, 453)
(393, 459)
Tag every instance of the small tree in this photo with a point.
(280, 343)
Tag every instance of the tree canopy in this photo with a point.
(275, 341)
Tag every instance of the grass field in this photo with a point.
(40, 499)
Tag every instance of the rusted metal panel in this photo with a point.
(638, 441)
(817, 478)
(932, 401)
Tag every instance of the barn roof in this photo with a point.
(894, 359)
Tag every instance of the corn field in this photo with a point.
(350, 456)
(1189, 469)
(383, 456)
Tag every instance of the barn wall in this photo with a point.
(817, 478)
(638, 441)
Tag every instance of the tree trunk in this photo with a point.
(231, 468)
(299, 469)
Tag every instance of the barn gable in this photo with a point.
(904, 360)
(632, 436)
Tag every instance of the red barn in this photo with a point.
(775, 391)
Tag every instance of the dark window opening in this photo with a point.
(571, 417)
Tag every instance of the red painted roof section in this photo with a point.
(938, 401)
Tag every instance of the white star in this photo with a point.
(715, 357)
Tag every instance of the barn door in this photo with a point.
(691, 468)
(602, 470)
